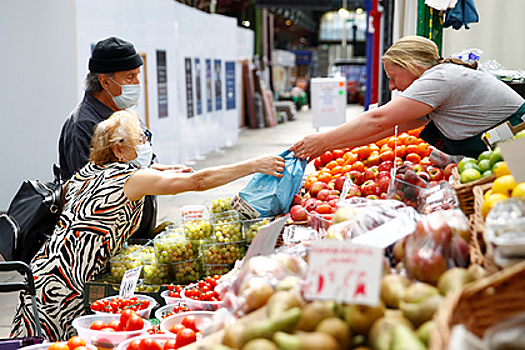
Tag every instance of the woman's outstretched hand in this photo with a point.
(270, 165)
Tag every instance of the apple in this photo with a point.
(424, 175)
(369, 174)
(369, 187)
(310, 204)
(323, 194)
(387, 165)
(331, 197)
(419, 168)
(333, 202)
(354, 191)
(448, 170)
(297, 199)
(435, 173)
(297, 213)
(324, 208)
(339, 183)
(413, 178)
(383, 174)
(398, 195)
(316, 187)
(356, 177)
(335, 192)
(372, 196)
(383, 195)
(426, 265)
(383, 182)
(403, 168)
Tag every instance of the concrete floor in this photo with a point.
(251, 143)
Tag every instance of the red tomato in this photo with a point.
(337, 153)
(59, 345)
(317, 163)
(134, 345)
(149, 344)
(186, 336)
(326, 157)
(125, 315)
(107, 329)
(97, 325)
(135, 323)
(115, 324)
(176, 328)
(170, 344)
(75, 341)
(145, 304)
(190, 322)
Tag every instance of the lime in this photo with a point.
(471, 166)
(464, 161)
(485, 155)
(495, 156)
(469, 175)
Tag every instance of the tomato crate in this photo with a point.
(105, 286)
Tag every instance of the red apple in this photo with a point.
(339, 183)
(387, 165)
(426, 265)
(354, 191)
(372, 196)
(435, 173)
(383, 195)
(460, 251)
(448, 170)
(419, 168)
(297, 213)
(324, 208)
(369, 174)
(335, 192)
(356, 177)
(297, 199)
(383, 183)
(369, 187)
(383, 174)
(333, 202)
(316, 187)
(331, 197)
(310, 204)
(323, 194)
(412, 178)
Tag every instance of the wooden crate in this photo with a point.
(464, 191)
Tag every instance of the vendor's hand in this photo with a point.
(270, 165)
(177, 168)
(309, 147)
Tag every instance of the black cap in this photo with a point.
(114, 55)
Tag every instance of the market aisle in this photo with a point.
(251, 143)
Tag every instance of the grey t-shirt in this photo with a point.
(466, 102)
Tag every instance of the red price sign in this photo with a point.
(343, 272)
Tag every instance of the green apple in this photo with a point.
(485, 155)
(520, 134)
(469, 175)
(496, 156)
(484, 165)
(487, 173)
(464, 161)
(470, 166)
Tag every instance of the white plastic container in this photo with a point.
(199, 305)
(47, 344)
(168, 299)
(162, 311)
(161, 339)
(145, 313)
(103, 339)
(204, 319)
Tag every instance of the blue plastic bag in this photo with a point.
(270, 195)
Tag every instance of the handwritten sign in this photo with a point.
(129, 282)
(265, 239)
(343, 272)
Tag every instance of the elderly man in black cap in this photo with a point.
(112, 84)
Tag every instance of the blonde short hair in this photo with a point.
(417, 54)
(121, 127)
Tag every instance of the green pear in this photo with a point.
(338, 329)
(305, 341)
(476, 272)
(424, 331)
(281, 301)
(422, 311)
(380, 335)
(393, 289)
(287, 283)
(220, 347)
(361, 317)
(419, 291)
(404, 338)
(313, 313)
(453, 279)
(260, 344)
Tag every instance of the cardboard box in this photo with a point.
(502, 132)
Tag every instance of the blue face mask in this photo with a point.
(144, 155)
(129, 96)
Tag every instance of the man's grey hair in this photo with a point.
(92, 84)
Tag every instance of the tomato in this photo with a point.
(176, 328)
(337, 153)
(125, 315)
(115, 324)
(186, 336)
(59, 345)
(108, 329)
(145, 304)
(75, 341)
(326, 157)
(135, 323)
(317, 163)
(170, 344)
(190, 322)
(97, 325)
(134, 345)
(149, 344)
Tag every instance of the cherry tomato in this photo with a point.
(75, 341)
(107, 329)
(176, 328)
(81, 348)
(59, 345)
(190, 322)
(170, 344)
(115, 324)
(134, 345)
(97, 325)
(149, 344)
(135, 323)
(125, 315)
(186, 336)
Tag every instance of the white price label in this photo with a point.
(343, 272)
(129, 282)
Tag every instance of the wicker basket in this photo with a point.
(480, 304)
(464, 191)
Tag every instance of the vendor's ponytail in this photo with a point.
(454, 60)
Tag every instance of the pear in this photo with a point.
(305, 341)
(404, 338)
(422, 311)
(338, 329)
(234, 335)
(380, 335)
(313, 313)
(287, 283)
(424, 331)
(361, 317)
(393, 288)
(260, 344)
(344, 214)
(281, 301)
(476, 272)
(419, 291)
(453, 279)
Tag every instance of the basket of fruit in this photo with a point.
(480, 305)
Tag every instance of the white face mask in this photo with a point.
(144, 155)
(129, 96)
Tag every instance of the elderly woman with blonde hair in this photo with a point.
(103, 207)
(453, 100)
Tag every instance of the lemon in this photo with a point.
(504, 185)
(488, 193)
(519, 190)
(490, 201)
(500, 168)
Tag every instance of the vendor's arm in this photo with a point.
(153, 182)
(371, 126)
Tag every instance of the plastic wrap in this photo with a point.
(439, 242)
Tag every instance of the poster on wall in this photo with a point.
(218, 84)
(162, 84)
(198, 90)
(209, 102)
(229, 69)
(189, 88)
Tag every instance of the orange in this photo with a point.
(359, 166)
(413, 157)
(324, 177)
(336, 170)
(413, 148)
(364, 152)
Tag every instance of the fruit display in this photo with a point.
(220, 205)
(202, 296)
(251, 227)
(128, 258)
(486, 164)
(197, 228)
(117, 305)
(227, 227)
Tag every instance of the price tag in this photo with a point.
(129, 282)
(343, 272)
